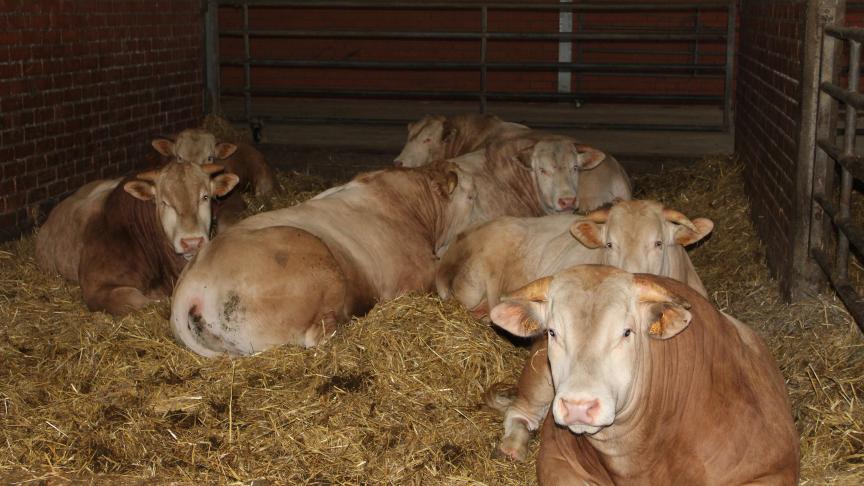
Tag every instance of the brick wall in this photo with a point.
(230, 18)
(84, 86)
(768, 118)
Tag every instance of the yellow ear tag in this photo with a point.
(656, 328)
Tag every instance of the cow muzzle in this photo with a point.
(190, 246)
(581, 416)
(565, 203)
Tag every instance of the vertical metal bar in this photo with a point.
(211, 57)
(565, 48)
(484, 13)
(731, 15)
(846, 180)
(580, 51)
(247, 75)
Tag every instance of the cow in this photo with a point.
(652, 384)
(529, 175)
(292, 275)
(200, 146)
(435, 136)
(60, 239)
(507, 253)
(148, 227)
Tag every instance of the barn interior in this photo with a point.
(715, 108)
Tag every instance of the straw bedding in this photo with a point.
(392, 398)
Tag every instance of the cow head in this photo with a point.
(460, 195)
(639, 236)
(598, 322)
(554, 162)
(427, 138)
(182, 193)
(194, 145)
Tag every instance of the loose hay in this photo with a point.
(393, 397)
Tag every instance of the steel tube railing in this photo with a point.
(468, 5)
(550, 36)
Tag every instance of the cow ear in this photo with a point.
(163, 146)
(452, 181)
(225, 150)
(665, 320)
(520, 317)
(588, 157)
(223, 183)
(685, 236)
(142, 190)
(589, 233)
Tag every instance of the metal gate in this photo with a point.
(570, 31)
(837, 164)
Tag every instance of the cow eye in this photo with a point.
(628, 332)
(544, 171)
(211, 159)
(609, 244)
(551, 332)
(205, 197)
(427, 140)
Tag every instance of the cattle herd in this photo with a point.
(642, 380)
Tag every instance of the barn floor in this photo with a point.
(392, 398)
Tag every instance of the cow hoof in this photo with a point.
(518, 454)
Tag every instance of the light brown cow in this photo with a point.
(135, 246)
(290, 276)
(436, 137)
(507, 253)
(653, 385)
(61, 238)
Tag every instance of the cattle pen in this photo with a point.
(394, 397)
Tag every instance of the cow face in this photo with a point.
(598, 322)
(182, 193)
(194, 145)
(639, 236)
(426, 140)
(554, 163)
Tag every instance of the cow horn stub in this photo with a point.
(212, 168)
(150, 176)
(535, 291)
(648, 290)
(678, 217)
(599, 216)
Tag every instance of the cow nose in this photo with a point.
(190, 244)
(566, 202)
(580, 411)
(397, 163)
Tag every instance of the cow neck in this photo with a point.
(519, 183)
(139, 220)
(419, 202)
(670, 381)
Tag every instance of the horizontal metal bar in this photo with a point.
(470, 66)
(583, 36)
(838, 93)
(567, 7)
(851, 299)
(845, 33)
(276, 119)
(853, 232)
(853, 163)
(465, 95)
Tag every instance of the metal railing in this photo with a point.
(833, 230)
(697, 69)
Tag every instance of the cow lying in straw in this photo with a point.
(199, 146)
(507, 253)
(290, 276)
(435, 137)
(652, 384)
(134, 233)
